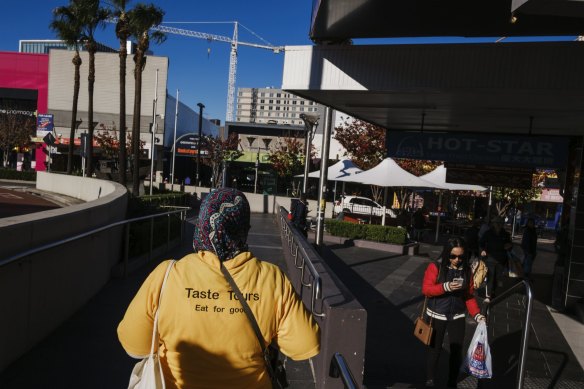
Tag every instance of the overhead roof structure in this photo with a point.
(514, 88)
(340, 20)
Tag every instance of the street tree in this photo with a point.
(506, 198)
(109, 143)
(221, 151)
(67, 25)
(92, 16)
(287, 158)
(141, 19)
(123, 32)
(364, 142)
(16, 129)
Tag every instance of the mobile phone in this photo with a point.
(458, 280)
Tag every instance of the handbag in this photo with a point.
(422, 329)
(147, 374)
(274, 365)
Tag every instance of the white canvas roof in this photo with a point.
(341, 169)
(438, 177)
(389, 173)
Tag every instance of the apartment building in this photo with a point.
(273, 106)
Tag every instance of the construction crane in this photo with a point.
(232, 58)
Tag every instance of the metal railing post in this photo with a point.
(126, 247)
(525, 329)
(151, 239)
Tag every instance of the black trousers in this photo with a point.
(455, 330)
(495, 274)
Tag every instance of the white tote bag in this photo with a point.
(147, 374)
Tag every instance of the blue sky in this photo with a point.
(200, 74)
(199, 68)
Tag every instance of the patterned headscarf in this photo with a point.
(223, 223)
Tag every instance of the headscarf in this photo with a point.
(223, 223)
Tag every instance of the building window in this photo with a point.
(271, 101)
(270, 107)
(271, 95)
(262, 101)
(301, 109)
(277, 94)
(269, 114)
(277, 108)
(302, 102)
(240, 93)
(261, 107)
(262, 94)
(277, 101)
(293, 102)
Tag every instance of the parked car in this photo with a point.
(361, 206)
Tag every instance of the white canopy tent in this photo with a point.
(389, 174)
(343, 168)
(438, 177)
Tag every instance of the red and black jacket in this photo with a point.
(445, 304)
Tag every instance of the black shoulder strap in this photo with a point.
(245, 306)
(251, 318)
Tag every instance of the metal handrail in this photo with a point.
(73, 238)
(295, 249)
(339, 368)
(525, 334)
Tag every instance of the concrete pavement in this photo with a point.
(84, 351)
(389, 287)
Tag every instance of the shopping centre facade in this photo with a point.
(43, 84)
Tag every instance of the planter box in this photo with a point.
(407, 249)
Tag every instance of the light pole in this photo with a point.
(174, 142)
(153, 129)
(310, 124)
(267, 142)
(326, 140)
(201, 106)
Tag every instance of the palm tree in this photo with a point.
(142, 18)
(92, 16)
(67, 27)
(123, 33)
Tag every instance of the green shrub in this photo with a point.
(11, 174)
(138, 206)
(372, 232)
(140, 233)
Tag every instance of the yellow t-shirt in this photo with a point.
(206, 340)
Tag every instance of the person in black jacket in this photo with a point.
(299, 214)
(448, 285)
(529, 246)
(494, 245)
(471, 237)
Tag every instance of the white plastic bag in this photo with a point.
(478, 357)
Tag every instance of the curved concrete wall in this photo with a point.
(39, 292)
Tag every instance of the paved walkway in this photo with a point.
(84, 351)
(389, 287)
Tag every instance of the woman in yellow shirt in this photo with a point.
(205, 338)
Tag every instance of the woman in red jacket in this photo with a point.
(449, 288)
